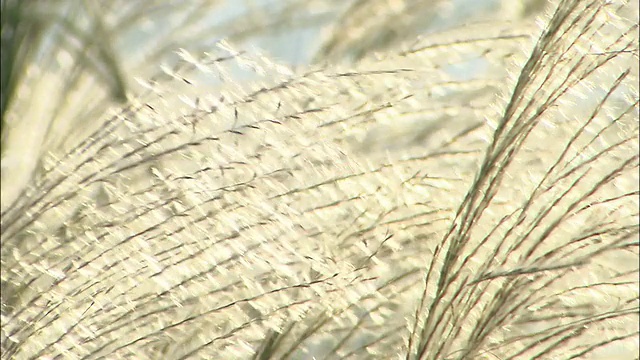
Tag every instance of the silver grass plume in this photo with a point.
(391, 209)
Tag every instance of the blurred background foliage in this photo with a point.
(96, 47)
(67, 61)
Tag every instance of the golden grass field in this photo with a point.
(469, 193)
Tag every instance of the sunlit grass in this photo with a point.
(469, 194)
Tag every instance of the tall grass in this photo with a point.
(471, 193)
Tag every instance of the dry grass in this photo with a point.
(405, 206)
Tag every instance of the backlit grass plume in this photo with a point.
(467, 194)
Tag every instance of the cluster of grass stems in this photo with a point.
(471, 193)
